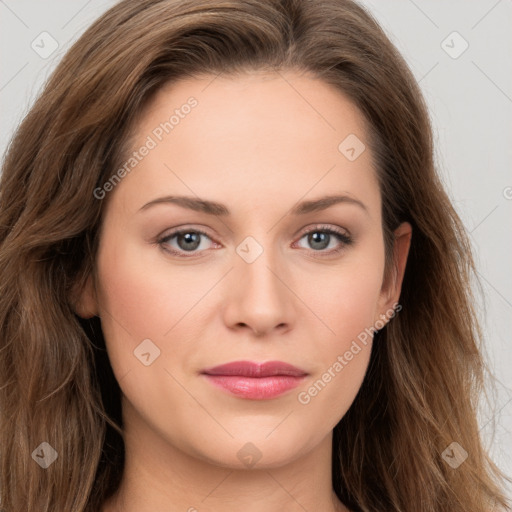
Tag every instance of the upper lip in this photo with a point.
(252, 369)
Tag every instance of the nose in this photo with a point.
(259, 297)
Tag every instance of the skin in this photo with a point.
(258, 143)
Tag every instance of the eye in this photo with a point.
(320, 238)
(188, 240)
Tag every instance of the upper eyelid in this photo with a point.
(301, 232)
(324, 227)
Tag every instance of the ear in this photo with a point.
(84, 299)
(392, 285)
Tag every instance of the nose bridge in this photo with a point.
(260, 297)
(258, 265)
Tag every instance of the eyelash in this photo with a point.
(342, 237)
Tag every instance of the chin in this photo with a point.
(256, 451)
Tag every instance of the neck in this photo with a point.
(159, 477)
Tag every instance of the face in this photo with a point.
(269, 273)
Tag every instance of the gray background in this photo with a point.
(470, 98)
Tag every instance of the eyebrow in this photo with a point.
(215, 208)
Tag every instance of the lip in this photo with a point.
(255, 381)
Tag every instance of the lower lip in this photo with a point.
(252, 388)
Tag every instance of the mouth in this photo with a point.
(255, 381)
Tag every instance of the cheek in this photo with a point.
(354, 302)
(135, 303)
(129, 298)
(141, 297)
(341, 356)
(139, 293)
(347, 298)
(347, 302)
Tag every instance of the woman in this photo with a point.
(314, 348)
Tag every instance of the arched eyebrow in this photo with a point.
(215, 208)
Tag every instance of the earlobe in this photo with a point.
(84, 298)
(392, 285)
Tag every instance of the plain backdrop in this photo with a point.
(460, 52)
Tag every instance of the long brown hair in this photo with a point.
(426, 371)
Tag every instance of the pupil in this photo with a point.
(190, 238)
(318, 237)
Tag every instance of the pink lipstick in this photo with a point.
(255, 381)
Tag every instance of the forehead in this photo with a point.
(280, 135)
